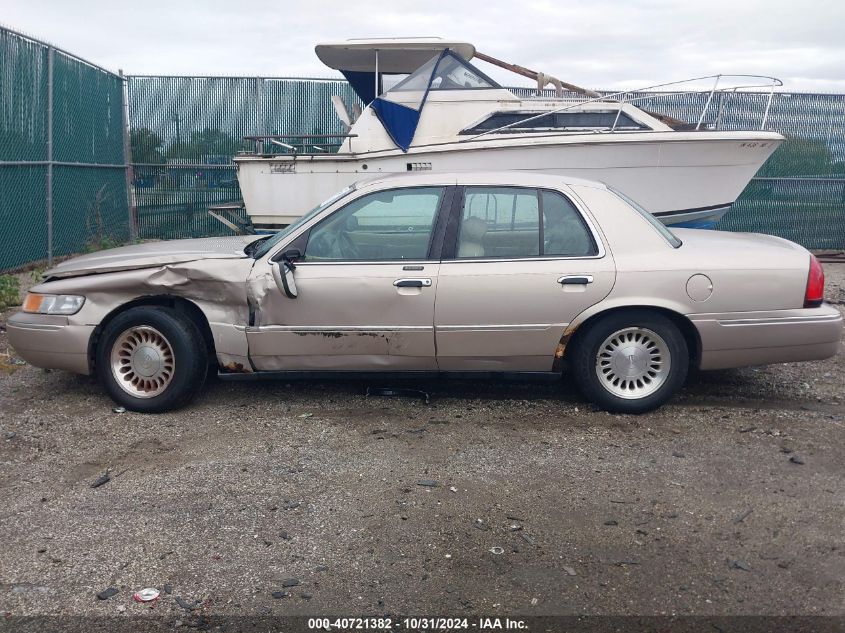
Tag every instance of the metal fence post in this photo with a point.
(259, 106)
(127, 157)
(49, 196)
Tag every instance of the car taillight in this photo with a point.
(814, 295)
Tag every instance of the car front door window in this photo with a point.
(382, 226)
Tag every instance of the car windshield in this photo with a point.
(657, 224)
(268, 245)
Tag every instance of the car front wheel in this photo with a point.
(630, 362)
(151, 359)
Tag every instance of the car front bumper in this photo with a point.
(50, 341)
(741, 339)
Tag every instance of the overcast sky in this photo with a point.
(595, 43)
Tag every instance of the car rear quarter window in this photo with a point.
(565, 233)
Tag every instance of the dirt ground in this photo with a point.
(728, 501)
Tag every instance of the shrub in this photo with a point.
(9, 291)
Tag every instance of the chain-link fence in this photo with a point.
(64, 171)
(185, 131)
(799, 193)
(63, 185)
(809, 211)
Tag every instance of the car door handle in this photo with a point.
(582, 280)
(412, 283)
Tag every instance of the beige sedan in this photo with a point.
(448, 274)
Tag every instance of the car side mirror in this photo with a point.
(291, 255)
(284, 277)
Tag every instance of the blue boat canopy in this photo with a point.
(430, 63)
(399, 109)
(360, 60)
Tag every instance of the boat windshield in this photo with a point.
(451, 73)
(268, 245)
(399, 108)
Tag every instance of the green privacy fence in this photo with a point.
(63, 186)
(799, 193)
(809, 211)
(185, 131)
(201, 121)
(813, 124)
(65, 161)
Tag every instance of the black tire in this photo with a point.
(189, 354)
(585, 360)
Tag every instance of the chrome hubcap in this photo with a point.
(633, 363)
(142, 361)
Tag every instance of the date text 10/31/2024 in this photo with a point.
(416, 624)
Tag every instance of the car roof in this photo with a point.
(503, 178)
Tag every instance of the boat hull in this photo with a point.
(683, 178)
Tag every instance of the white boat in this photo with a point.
(447, 115)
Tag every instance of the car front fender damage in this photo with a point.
(216, 287)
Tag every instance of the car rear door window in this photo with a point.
(515, 222)
(382, 226)
(499, 222)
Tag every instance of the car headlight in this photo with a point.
(52, 304)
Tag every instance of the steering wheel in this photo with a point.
(320, 245)
(330, 245)
(347, 247)
(449, 84)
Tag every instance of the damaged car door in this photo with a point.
(357, 293)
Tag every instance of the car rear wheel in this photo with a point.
(151, 359)
(630, 362)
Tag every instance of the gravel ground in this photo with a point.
(373, 505)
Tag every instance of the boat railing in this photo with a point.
(742, 83)
(298, 144)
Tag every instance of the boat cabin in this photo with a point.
(425, 91)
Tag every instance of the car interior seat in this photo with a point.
(471, 242)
